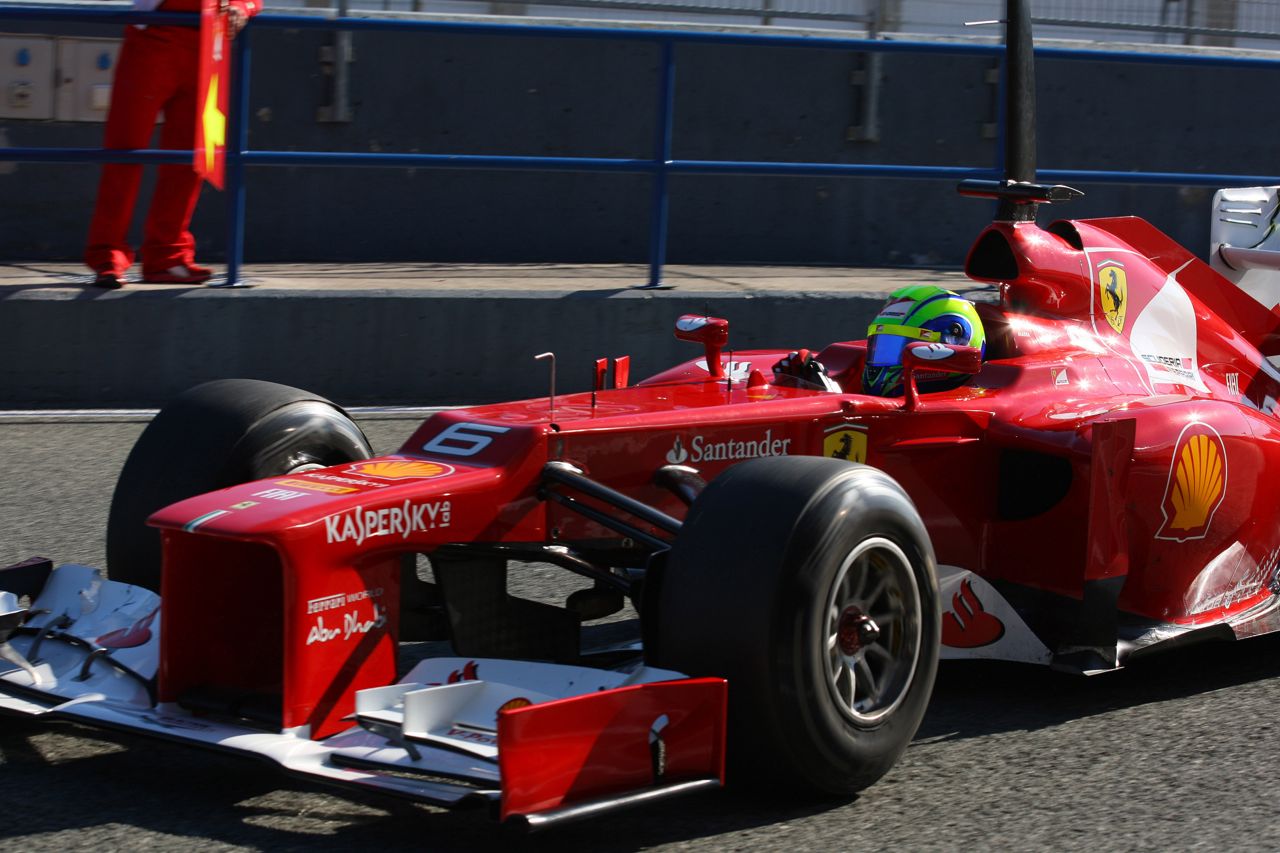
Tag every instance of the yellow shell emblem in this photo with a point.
(513, 704)
(845, 443)
(400, 469)
(1113, 294)
(1197, 484)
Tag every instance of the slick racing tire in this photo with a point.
(810, 584)
(212, 436)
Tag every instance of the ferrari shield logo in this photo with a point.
(1113, 293)
(845, 443)
(1197, 484)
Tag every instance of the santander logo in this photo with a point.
(700, 449)
(968, 625)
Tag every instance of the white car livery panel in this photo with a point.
(979, 624)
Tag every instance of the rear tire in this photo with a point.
(809, 584)
(212, 436)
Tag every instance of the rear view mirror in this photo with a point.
(711, 332)
(923, 358)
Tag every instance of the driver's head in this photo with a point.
(920, 312)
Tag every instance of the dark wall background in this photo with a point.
(467, 94)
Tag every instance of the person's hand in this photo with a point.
(236, 19)
(801, 370)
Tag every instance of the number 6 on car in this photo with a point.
(464, 439)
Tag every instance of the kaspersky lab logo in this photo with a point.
(358, 524)
(732, 450)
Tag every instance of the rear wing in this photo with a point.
(1243, 245)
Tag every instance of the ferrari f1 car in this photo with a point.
(1102, 485)
(1096, 490)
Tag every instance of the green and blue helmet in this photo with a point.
(920, 312)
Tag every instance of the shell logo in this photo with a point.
(401, 469)
(513, 704)
(1197, 484)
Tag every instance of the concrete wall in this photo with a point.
(62, 349)
(492, 95)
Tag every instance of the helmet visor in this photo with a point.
(885, 342)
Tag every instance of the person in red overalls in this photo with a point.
(157, 70)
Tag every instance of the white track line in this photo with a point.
(147, 414)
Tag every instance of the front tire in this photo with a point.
(809, 584)
(210, 437)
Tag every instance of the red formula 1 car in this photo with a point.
(1102, 485)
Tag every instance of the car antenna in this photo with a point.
(599, 370)
(706, 312)
(552, 395)
(1020, 108)
(1018, 193)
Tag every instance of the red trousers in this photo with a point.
(157, 70)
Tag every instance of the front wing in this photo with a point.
(541, 743)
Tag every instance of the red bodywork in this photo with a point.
(1111, 470)
(559, 752)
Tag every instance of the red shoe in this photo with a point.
(178, 274)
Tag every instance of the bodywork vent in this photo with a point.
(992, 259)
(1067, 231)
(1030, 483)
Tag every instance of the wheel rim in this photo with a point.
(873, 633)
(304, 436)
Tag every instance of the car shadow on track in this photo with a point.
(979, 698)
(74, 787)
(88, 789)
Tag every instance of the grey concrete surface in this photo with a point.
(405, 333)
(1174, 754)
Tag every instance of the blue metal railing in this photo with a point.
(661, 165)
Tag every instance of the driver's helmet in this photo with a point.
(920, 312)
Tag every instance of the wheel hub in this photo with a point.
(873, 631)
(856, 630)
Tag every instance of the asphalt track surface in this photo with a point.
(1179, 753)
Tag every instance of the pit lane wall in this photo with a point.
(60, 348)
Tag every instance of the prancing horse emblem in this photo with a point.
(1113, 290)
(845, 443)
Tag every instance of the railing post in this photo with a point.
(1002, 117)
(661, 157)
(238, 143)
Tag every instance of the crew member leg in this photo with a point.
(168, 248)
(139, 89)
